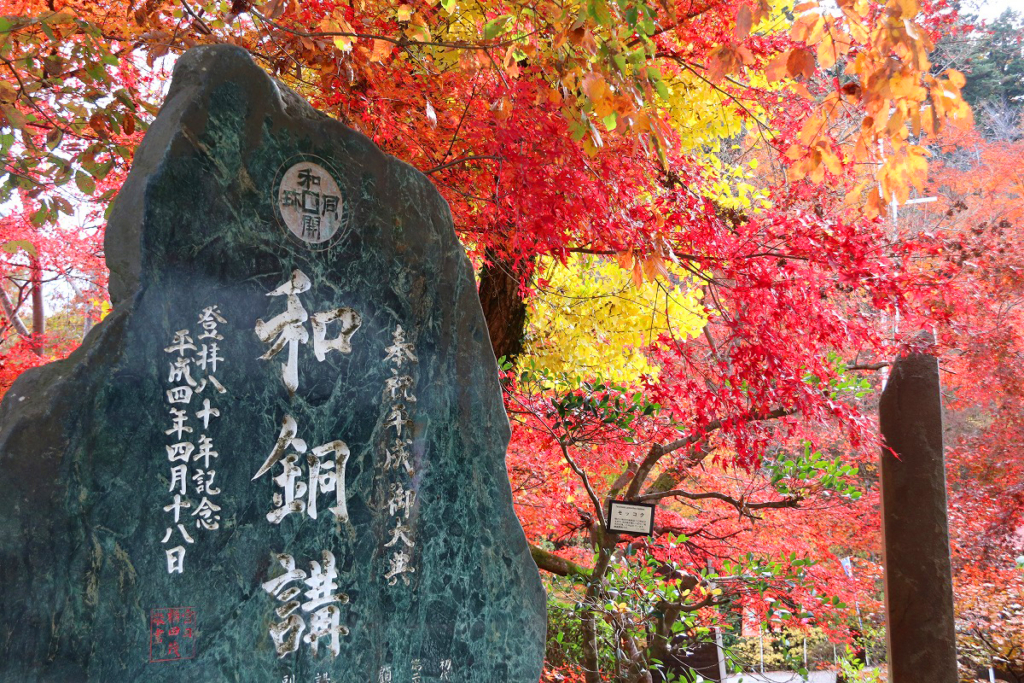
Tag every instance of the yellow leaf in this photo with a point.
(405, 12)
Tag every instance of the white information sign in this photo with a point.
(631, 518)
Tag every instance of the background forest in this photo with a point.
(702, 229)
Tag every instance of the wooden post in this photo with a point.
(38, 312)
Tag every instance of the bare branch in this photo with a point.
(12, 314)
(461, 161)
(741, 505)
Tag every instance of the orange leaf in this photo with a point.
(381, 49)
(800, 63)
(744, 21)
(778, 68)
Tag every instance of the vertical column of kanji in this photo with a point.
(182, 390)
(207, 360)
(179, 454)
(303, 475)
(398, 466)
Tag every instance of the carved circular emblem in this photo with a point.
(310, 204)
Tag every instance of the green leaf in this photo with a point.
(85, 183)
(14, 245)
(14, 116)
(53, 137)
(495, 26)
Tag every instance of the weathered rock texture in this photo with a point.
(918, 577)
(84, 472)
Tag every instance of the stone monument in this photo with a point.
(280, 459)
(918, 573)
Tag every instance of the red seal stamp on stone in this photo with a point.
(172, 634)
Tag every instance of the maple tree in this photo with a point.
(976, 226)
(674, 207)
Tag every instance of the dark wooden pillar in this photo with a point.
(918, 576)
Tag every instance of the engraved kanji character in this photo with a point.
(291, 198)
(399, 387)
(205, 451)
(397, 419)
(329, 203)
(207, 512)
(181, 371)
(179, 451)
(350, 322)
(328, 475)
(182, 342)
(203, 480)
(181, 530)
(212, 380)
(177, 507)
(287, 633)
(398, 455)
(325, 620)
(179, 418)
(400, 533)
(209, 319)
(175, 559)
(206, 413)
(385, 675)
(311, 226)
(326, 623)
(289, 499)
(400, 351)
(276, 586)
(288, 328)
(307, 178)
(289, 428)
(182, 394)
(179, 477)
(172, 650)
(401, 500)
(321, 583)
(208, 357)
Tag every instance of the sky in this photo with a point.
(990, 9)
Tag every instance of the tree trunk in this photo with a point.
(501, 297)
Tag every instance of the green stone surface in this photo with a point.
(84, 470)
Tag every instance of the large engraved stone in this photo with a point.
(281, 457)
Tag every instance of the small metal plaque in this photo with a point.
(310, 204)
(631, 518)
